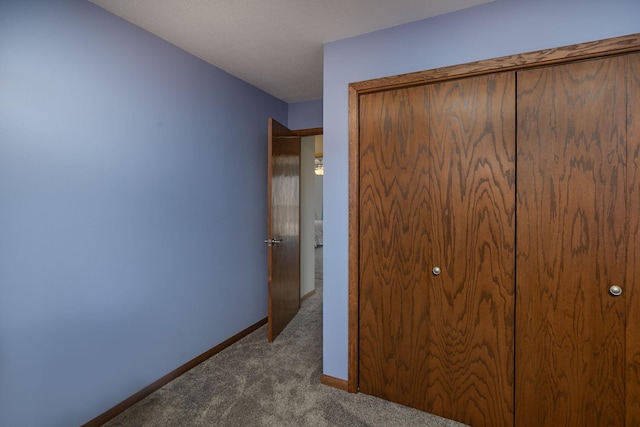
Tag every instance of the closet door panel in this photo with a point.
(572, 244)
(437, 190)
(633, 259)
(394, 246)
(472, 186)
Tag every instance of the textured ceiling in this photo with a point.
(276, 45)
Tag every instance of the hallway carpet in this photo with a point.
(254, 383)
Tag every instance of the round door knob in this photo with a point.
(615, 290)
(436, 271)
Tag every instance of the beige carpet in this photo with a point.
(254, 383)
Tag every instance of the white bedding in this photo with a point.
(318, 233)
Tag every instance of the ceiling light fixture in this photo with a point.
(319, 170)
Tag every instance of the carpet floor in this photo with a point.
(254, 383)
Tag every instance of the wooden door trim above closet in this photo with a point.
(578, 52)
(582, 51)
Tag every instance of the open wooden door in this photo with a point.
(283, 227)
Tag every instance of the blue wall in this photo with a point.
(305, 115)
(495, 29)
(132, 209)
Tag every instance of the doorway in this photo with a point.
(287, 236)
(311, 218)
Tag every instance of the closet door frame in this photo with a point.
(578, 52)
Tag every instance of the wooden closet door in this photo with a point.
(632, 296)
(437, 190)
(572, 237)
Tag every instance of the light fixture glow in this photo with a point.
(319, 170)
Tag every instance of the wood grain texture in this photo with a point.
(334, 382)
(394, 263)
(284, 224)
(473, 191)
(633, 254)
(437, 188)
(569, 54)
(571, 237)
(612, 46)
(354, 240)
(309, 131)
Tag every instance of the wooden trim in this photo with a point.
(307, 296)
(156, 385)
(334, 382)
(582, 51)
(354, 240)
(270, 130)
(577, 52)
(309, 132)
